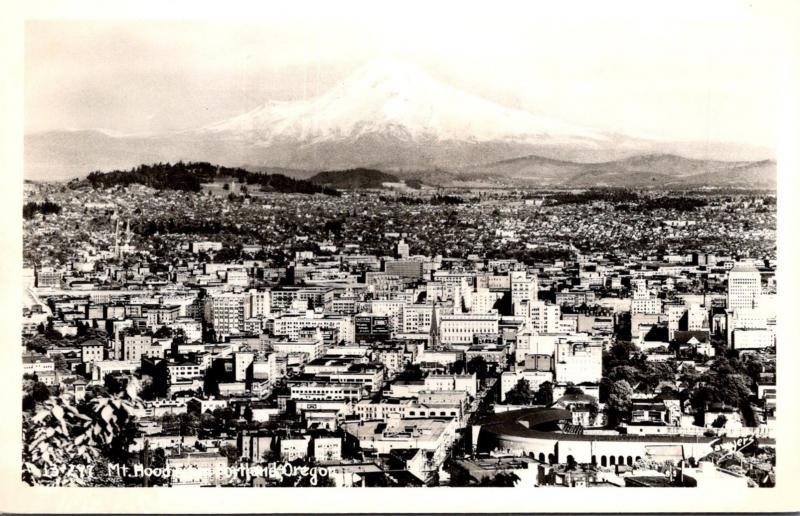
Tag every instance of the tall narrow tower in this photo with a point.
(434, 331)
(126, 248)
(116, 236)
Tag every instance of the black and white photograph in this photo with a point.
(525, 247)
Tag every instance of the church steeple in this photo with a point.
(434, 332)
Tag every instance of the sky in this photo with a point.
(676, 71)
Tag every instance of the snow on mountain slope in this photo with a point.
(399, 100)
(387, 115)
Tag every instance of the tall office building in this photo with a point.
(643, 301)
(639, 287)
(524, 287)
(675, 313)
(260, 302)
(744, 287)
(697, 317)
(541, 316)
(402, 249)
(226, 312)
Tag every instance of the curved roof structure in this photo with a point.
(539, 423)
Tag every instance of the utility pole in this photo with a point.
(145, 463)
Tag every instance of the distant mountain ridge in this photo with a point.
(391, 116)
(643, 170)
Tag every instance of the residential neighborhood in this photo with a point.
(393, 337)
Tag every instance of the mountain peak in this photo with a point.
(387, 98)
(387, 78)
(387, 69)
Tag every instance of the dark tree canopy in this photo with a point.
(521, 393)
(30, 209)
(619, 401)
(191, 176)
(544, 396)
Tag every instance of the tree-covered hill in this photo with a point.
(353, 179)
(191, 176)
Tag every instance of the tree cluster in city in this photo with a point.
(31, 208)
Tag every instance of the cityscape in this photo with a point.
(387, 279)
(401, 337)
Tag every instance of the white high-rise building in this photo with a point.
(483, 300)
(674, 313)
(541, 316)
(417, 318)
(241, 361)
(643, 302)
(639, 287)
(745, 319)
(226, 312)
(646, 306)
(402, 249)
(260, 303)
(523, 287)
(744, 287)
(697, 318)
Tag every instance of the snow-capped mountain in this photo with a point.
(388, 114)
(397, 99)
